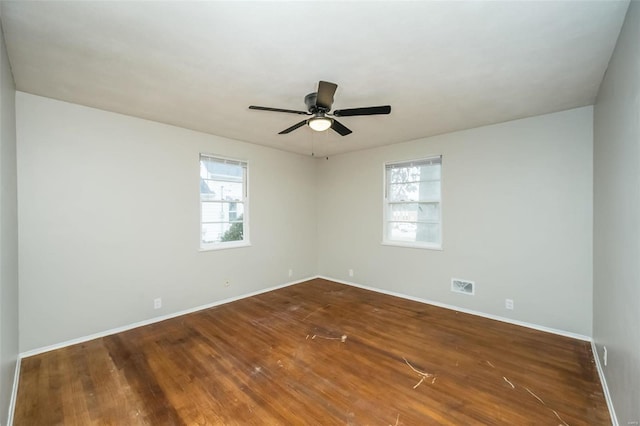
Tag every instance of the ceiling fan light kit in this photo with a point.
(320, 123)
(319, 105)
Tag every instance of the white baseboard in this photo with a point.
(265, 290)
(466, 311)
(14, 392)
(154, 320)
(603, 381)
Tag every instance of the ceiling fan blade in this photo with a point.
(384, 109)
(338, 127)
(291, 111)
(292, 128)
(326, 91)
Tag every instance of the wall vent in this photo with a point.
(463, 286)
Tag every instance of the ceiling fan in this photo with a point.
(319, 105)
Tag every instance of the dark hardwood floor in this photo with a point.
(317, 353)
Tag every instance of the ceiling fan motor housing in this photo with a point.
(310, 101)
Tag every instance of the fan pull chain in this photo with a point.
(326, 143)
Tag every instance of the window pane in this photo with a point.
(429, 190)
(233, 232)
(429, 212)
(414, 232)
(415, 191)
(220, 190)
(403, 192)
(222, 232)
(212, 232)
(428, 233)
(221, 212)
(403, 212)
(214, 168)
(401, 231)
(233, 212)
(430, 172)
(236, 212)
(212, 212)
(404, 174)
(415, 212)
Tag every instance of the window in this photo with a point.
(412, 210)
(223, 203)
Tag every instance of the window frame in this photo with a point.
(223, 245)
(386, 209)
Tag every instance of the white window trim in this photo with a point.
(408, 244)
(246, 242)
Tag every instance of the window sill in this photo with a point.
(424, 246)
(225, 246)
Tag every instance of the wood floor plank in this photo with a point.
(316, 353)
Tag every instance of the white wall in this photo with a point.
(109, 220)
(517, 213)
(616, 322)
(8, 234)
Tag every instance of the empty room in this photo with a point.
(318, 212)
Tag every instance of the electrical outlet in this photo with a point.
(290, 273)
(157, 303)
(508, 303)
(350, 272)
(604, 355)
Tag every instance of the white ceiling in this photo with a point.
(442, 66)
